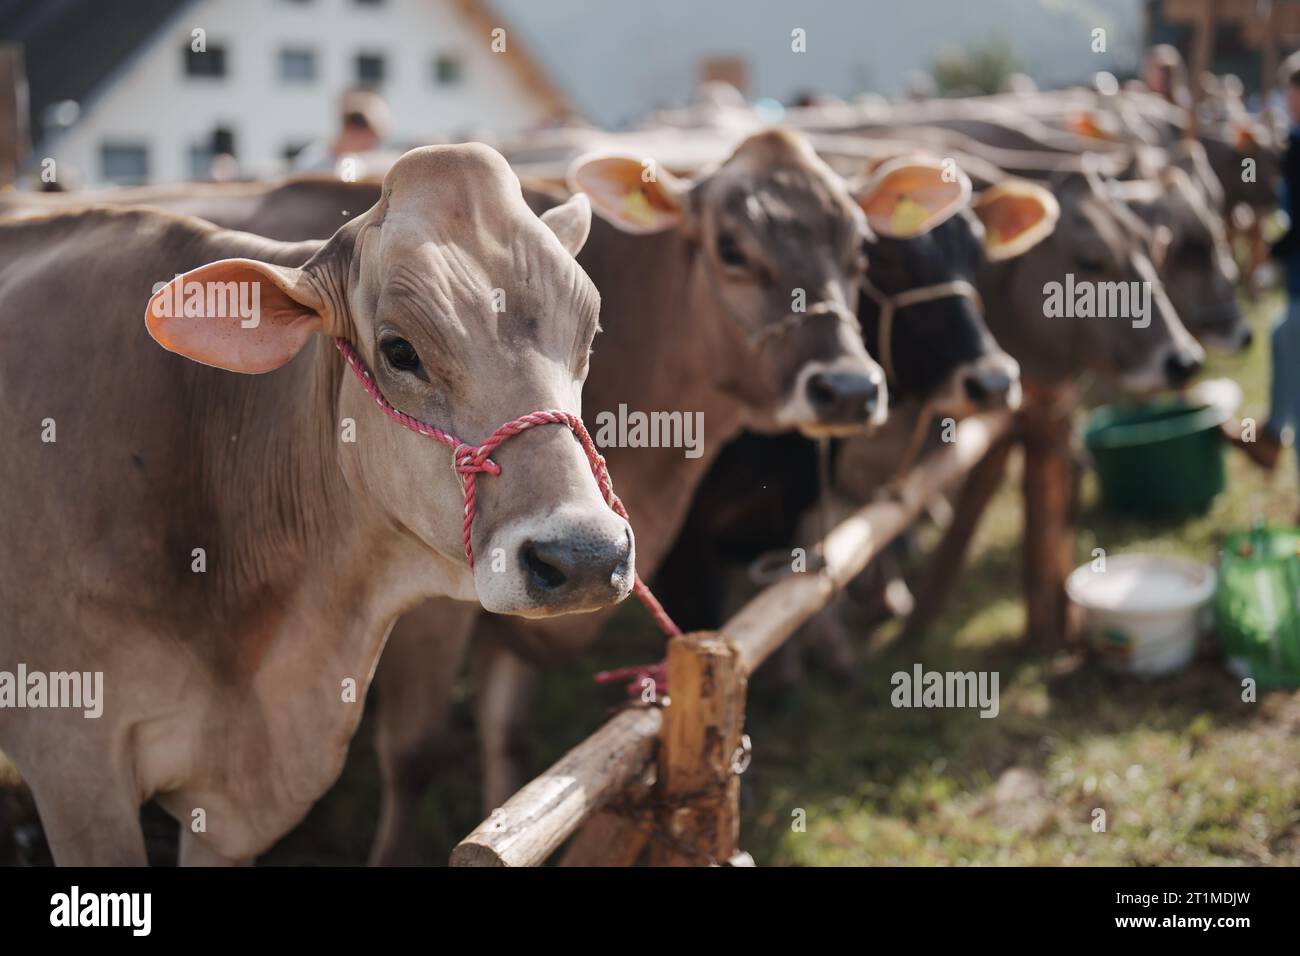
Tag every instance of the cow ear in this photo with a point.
(1087, 124)
(1017, 215)
(1244, 138)
(633, 194)
(237, 314)
(909, 196)
(571, 222)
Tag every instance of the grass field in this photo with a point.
(1184, 770)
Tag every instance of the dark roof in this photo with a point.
(71, 46)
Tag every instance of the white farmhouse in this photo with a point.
(159, 86)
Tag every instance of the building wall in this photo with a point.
(151, 100)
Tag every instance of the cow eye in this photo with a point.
(729, 250)
(1092, 264)
(401, 354)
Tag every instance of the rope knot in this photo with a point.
(470, 460)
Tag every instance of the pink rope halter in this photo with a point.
(472, 460)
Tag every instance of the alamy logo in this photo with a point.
(214, 300)
(35, 689)
(958, 689)
(626, 429)
(103, 909)
(1099, 300)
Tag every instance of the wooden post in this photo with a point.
(698, 796)
(1049, 490)
(13, 113)
(1202, 59)
(1268, 54)
(979, 489)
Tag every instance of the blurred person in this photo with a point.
(1165, 74)
(1284, 393)
(364, 127)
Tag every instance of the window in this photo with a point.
(297, 66)
(124, 163)
(447, 69)
(370, 69)
(210, 62)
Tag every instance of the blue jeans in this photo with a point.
(1284, 396)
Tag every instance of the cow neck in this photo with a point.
(293, 534)
(656, 352)
(317, 582)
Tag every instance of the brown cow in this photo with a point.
(217, 546)
(696, 280)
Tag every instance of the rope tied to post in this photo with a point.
(469, 461)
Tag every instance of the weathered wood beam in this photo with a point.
(539, 818)
(762, 625)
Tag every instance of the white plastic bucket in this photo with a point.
(1145, 612)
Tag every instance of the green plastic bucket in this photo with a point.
(1158, 458)
(1257, 605)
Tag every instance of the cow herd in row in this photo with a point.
(233, 552)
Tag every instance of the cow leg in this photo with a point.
(91, 817)
(194, 852)
(507, 685)
(417, 674)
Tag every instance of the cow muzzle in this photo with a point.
(990, 382)
(842, 397)
(572, 560)
(577, 557)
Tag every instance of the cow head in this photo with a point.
(470, 312)
(919, 312)
(1247, 162)
(1190, 251)
(1087, 297)
(775, 258)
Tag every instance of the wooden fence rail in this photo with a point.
(669, 776)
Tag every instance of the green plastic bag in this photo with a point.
(1257, 605)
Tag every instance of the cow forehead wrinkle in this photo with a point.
(452, 299)
(430, 312)
(786, 221)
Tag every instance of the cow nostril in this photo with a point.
(623, 556)
(982, 387)
(544, 575)
(821, 390)
(1180, 367)
(847, 397)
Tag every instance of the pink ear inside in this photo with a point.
(235, 314)
(618, 191)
